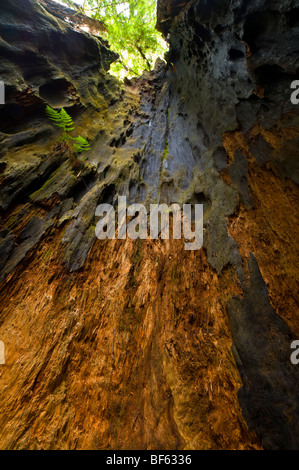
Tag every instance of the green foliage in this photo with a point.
(63, 120)
(130, 32)
(81, 144)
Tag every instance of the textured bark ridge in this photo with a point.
(140, 344)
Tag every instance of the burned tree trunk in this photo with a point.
(140, 344)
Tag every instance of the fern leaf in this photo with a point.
(65, 122)
(53, 114)
(81, 144)
(65, 118)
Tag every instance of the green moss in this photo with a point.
(164, 155)
(43, 186)
(165, 152)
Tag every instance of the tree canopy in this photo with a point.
(130, 32)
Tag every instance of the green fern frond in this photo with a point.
(64, 121)
(61, 119)
(53, 114)
(65, 118)
(81, 144)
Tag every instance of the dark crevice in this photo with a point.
(235, 54)
(56, 92)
